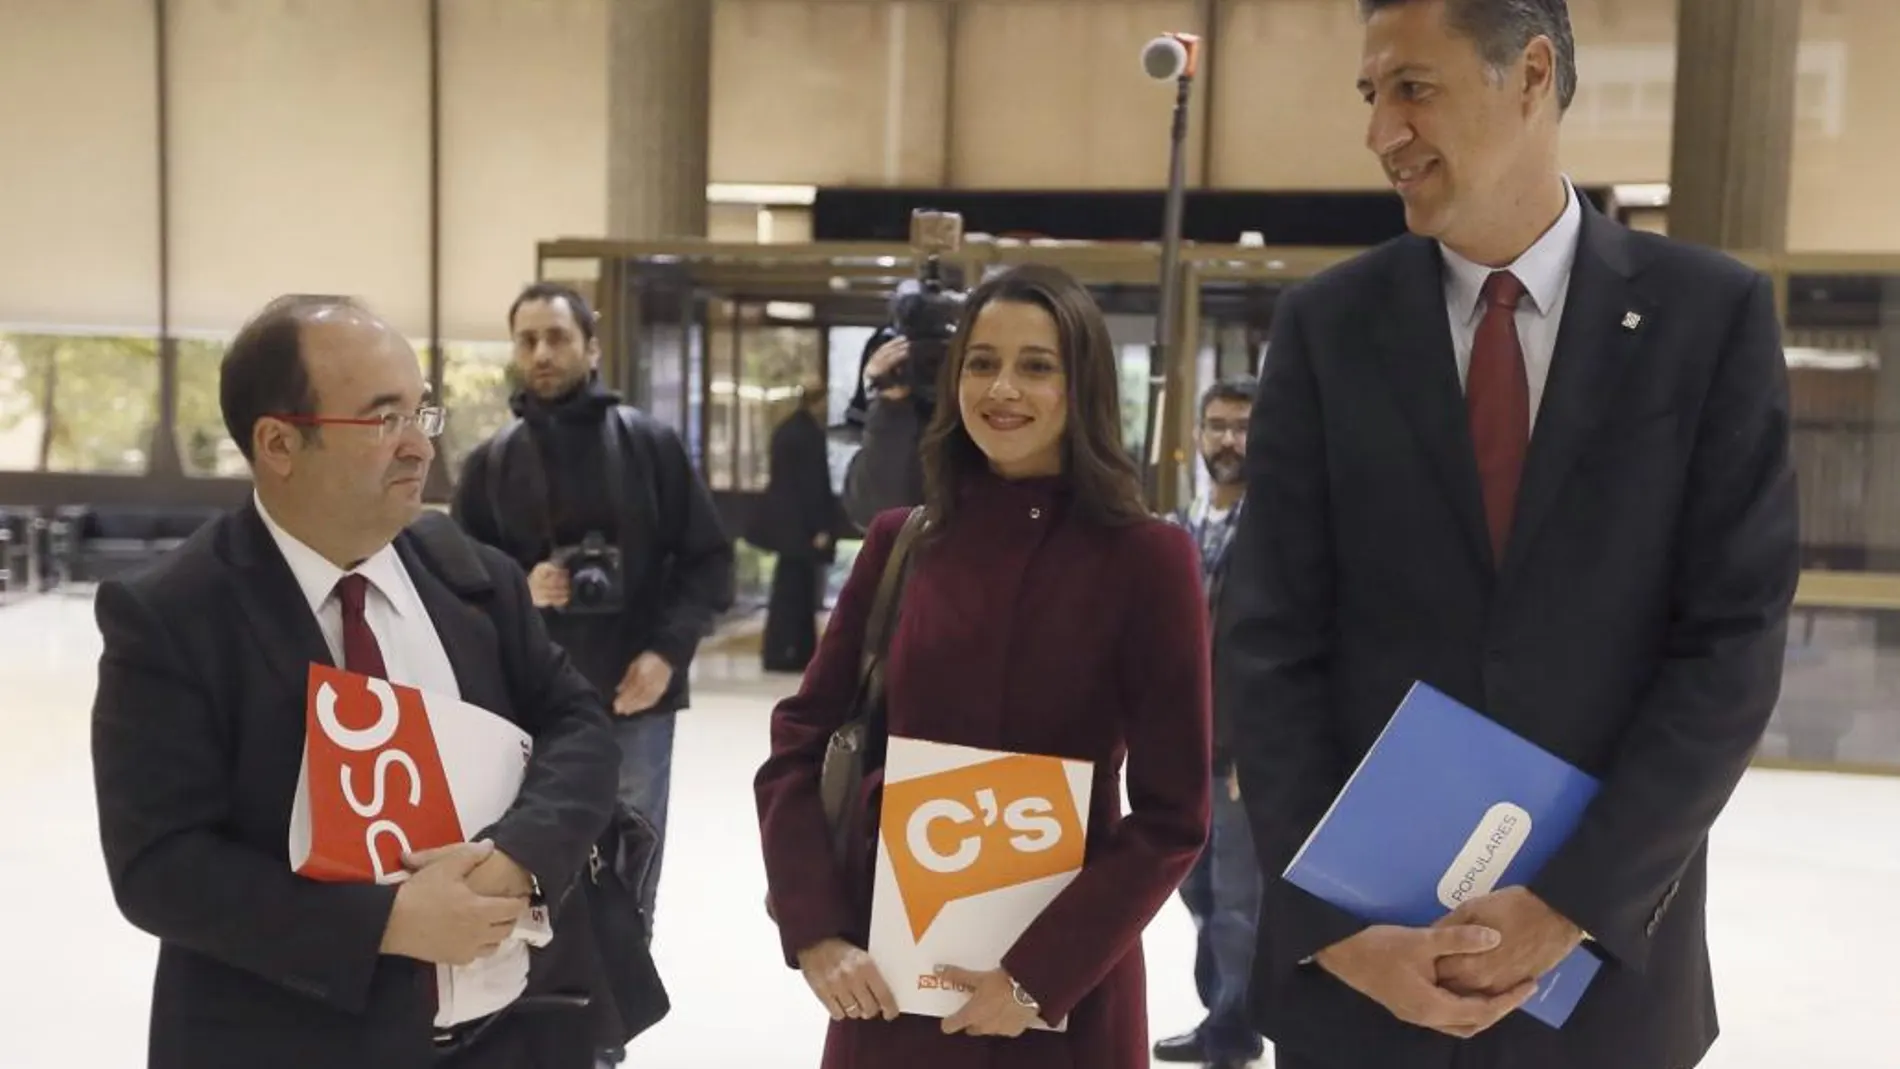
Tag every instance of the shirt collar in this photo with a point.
(317, 577)
(1544, 268)
(1203, 507)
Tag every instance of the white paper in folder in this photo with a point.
(391, 769)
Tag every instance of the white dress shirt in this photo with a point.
(413, 653)
(1544, 269)
(414, 656)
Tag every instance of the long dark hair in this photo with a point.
(1100, 474)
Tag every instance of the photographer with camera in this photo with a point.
(624, 548)
(897, 387)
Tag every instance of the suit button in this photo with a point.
(1035, 514)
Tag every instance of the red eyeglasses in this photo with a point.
(427, 420)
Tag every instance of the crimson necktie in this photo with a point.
(1498, 404)
(361, 654)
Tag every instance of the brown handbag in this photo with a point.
(841, 783)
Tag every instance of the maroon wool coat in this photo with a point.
(1028, 629)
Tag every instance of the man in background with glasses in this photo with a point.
(199, 740)
(1222, 891)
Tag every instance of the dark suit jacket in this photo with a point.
(1635, 627)
(198, 732)
(798, 504)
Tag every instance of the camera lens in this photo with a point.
(590, 586)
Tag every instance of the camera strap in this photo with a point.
(497, 478)
(619, 433)
(632, 436)
(615, 437)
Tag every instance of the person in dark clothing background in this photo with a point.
(797, 520)
(887, 471)
(1222, 891)
(589, 469)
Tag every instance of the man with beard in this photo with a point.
(625, 552)
(1223, 889)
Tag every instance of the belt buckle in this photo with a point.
(457, 1036)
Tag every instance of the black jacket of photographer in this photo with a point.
(887, 471)
(552, 489)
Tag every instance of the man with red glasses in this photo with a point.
(198, 737)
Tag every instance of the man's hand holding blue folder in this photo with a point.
(1433, 838)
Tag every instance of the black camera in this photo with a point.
(927, 319)
(594, 581)
(925, 313)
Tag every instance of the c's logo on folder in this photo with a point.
(977, 829)
(1490, 850)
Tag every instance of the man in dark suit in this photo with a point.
(798, 519)
(1541, 463)
(198, 741)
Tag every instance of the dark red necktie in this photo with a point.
(1498, 404)
(361, 654)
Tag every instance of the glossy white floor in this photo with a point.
(1804, 915)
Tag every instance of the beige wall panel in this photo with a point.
(1051, 95)
(919, 131)
(300, 141)
(1288, 115)
(1846, 129)
(1618, 126)
(524, 147)
(828, 92)
(732, 223)
(78, 164)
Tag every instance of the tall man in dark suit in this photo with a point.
(198, 740)
(1541, 463)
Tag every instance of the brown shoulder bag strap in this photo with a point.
(877, 628)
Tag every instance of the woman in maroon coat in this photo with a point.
(1046, 612)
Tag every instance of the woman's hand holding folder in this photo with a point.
(847, 981)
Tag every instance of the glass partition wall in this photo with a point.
(715, 339)
(1840, 706)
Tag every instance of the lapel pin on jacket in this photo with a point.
(1632, 320)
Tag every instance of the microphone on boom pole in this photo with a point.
(1169, 57)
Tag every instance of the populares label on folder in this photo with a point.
(972, 846)
(1448, 806)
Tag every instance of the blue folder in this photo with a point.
(1448, 805)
